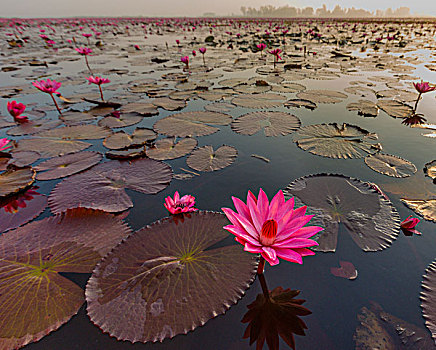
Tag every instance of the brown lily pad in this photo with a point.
(424, 207)
(207, 159)
(13, 181)
(428, 299)
(390, 165)
(170, 148)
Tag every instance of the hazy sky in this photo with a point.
(61, 8)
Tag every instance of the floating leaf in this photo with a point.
(428, 298)
(298, 102)
(288, 87)
(390, 165)
(272, 123)
(169, 104)
(21, 208)
(67, 165)
(170, 277)
(125, 119)
(51, 147)
(34, 298)
(364, 107)
(369, 218)
(424, 207)
(336, 141)
(191, 123)
(206, 159)
(127, 154)
(220, 107)
(145, 109)
(258, 101)
(33, 127)
(395, 109)
(122, 140)
(170, 149)
(347, 270)
(103, 187)
(77, 132)
(13, 181)
(322, 96)
(24, 158)
(430, 169)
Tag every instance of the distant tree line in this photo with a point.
(337, 12)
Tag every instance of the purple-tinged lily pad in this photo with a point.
(170, 148)
(347, 270)
(103, 187)
(170, 277)
(428, 298)
(15, 180)
(370, 219)
(207, 159)
(58, 167)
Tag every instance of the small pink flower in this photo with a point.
(5, 144)
(15, 108)
(86, 35)
(275, 230)
(194, 53)
(98, 80)
(261, 46)
(423, 87)
(408, 225)
(83, 50)
(276, 53)
(180, 205)
(177, 41)
(48, 86)
(185, 60)
(202, 50)
(137, 47)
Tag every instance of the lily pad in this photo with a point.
(430, 169)
(51, 147)
(259, 101)
(424, 207)
(169, 148)
(364, 107)
(395, 109)
(370, 219)
(77, 132)
(169, 104)
(13, 181)
(125, 119)
(191, 123)
(24, 158)
(33, 127)
(170, 277)
(428, 298)
(144, 109)
(206, 159)
(337, 141)
(21, 208)
(34, 298)
(322, 96)
(103, 187)
(347, 270)
(58, 167)
(390, 165)
(298, 102)
(122, 140)
(272, 123)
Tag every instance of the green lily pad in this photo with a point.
(34, 298)
(168, 278)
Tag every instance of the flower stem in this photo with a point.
(56, 104)
(101, 92)
(204, 63)
(262, 282)
(87, 64)
(416, 103)
(261, 266)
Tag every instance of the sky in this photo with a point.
(150, 8)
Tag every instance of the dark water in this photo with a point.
(392, 277)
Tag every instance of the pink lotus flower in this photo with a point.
(423, 87)
(5, 144)
(202, 50)
(83, 50)
(98, 80)
(194, 53)
(15, 109)
(408, 225)
(185, 60)
(275, 230)
(180, 205)
(137, 47)
(87, 35)
(50, 87)
(276, 53)
(261, 46)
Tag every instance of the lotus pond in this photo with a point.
(335, 114)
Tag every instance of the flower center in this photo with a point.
(269, 232)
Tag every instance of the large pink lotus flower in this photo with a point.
(275, 230)
(5, 144)
(15, 109)
(48, 86)
(408, 225)
(423, 87)
(180, 205)
(85, 51)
